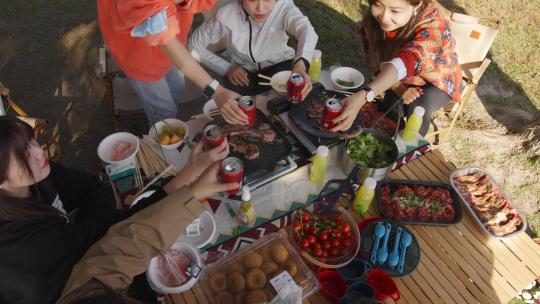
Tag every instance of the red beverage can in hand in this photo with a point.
(212, 136)
(332, 109)
(295, 85)
(247, 105)
(232, 171)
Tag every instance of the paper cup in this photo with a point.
(107, 147)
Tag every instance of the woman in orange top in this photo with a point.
(408, 43)
(145, 39)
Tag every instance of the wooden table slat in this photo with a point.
(177, 298)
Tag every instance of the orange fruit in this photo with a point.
(175, 138)
(164, 139)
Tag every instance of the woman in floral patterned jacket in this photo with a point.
(409, 46)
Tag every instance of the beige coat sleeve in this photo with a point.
(128, 246)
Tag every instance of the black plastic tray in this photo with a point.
(395, 182)
(269, 153)
(413, 251)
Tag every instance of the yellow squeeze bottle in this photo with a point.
(320, 163)
(246, 214)
(364, 196)
(315, 67)
(414, 122)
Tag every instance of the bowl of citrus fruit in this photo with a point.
(169, 133)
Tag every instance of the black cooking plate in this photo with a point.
(299, 113)
(269, 153)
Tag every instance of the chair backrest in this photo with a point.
(473, 41)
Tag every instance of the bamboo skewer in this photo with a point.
(210, 113)
(162, 174)
(342, 92)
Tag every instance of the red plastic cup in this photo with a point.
(383, 285)
(333, 286)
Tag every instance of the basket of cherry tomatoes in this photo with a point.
(328, 239)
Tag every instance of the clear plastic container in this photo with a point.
(233, 278)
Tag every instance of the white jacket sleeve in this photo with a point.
(210, 32)
(298, 25)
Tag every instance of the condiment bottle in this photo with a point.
(246, 214)
(414, 122)
(315, 67)
(320, 163)
(364, 196)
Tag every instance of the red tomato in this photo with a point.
(317, 252)
(343, 251)
(323, 236)
(306, 228)
(347, 235)
(335, 243)
(337, 234)
(305, 217)
(326, 245)
(333, 252)
(313, 230)
(345, 227)
(304, 244)
(338, 218)
(315, 245)
(346, 243)
(312, 239)
(297, 226)
(324, 253)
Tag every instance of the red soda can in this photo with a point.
(212, 136)
(232, 171)
(295, 85)
(247, 104)
(332, 109)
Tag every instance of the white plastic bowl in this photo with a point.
(105, 148)
(153, 277)
(347, 74)
(278, 79)
(207, 231)
(173, 122)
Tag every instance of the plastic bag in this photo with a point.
(172, 268)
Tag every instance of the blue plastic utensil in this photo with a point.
(382, 255)
(405, 242)
(377, 235)
(393, 259)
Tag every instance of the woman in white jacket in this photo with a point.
(256, 35)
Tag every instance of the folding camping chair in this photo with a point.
(50, 144)
(474, 37)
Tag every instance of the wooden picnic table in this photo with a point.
(459, 264)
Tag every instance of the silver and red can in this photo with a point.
(247, 105)
(332, 109)
(295, 85)
(213, 136)
(232, 171)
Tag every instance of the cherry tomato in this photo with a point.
(305, 217)
(312, 239)
(337, 234)
(297, 226)
(306, 228)
(345, 227)
(335, 243)
(346, 243)
(324, 253)
(347, 235)
(317, 252)
(316, 245)
(326, 245)
(323, 236)
(304, 244)
(333, 252)
(342, 251)
(338, 218)
(313, 230)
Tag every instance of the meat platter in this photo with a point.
(259, 147)
(487, 203)
(418, 202)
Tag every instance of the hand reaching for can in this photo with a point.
(227, 102)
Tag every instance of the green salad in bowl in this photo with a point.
(367, 151)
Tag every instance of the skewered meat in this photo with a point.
(488, 203)
(244, 140)
(250, 151)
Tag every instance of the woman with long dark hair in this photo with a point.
(409, 46)
(50, 215)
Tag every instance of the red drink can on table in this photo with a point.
(295, 85)
(213, 136)
(247, 104)
(232, 171)
(332, 109)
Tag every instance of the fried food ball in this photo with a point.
(279, 253)
(236, 282)
(235, 267)
(256, 296)
(224, 297)
(240, 298)
(299, 279)
(265, 253)
(291, 267)
(253, 260)
(270, 293)
(218, 281)
(255, 279)
(269, 268)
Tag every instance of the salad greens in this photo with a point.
(345, 83)
(367, 151)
